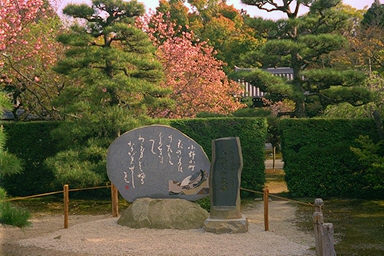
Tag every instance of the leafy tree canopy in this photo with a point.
(301, 43)
(219, 24)
(374, 15)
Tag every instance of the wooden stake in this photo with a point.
(115, 201)
(274, 158)
(265, 198)
(66, 205)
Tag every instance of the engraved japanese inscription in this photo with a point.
(158, 161)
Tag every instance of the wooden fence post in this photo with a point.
(265, 199)
(66, 205)
(323, 232)
(328, 240)
(115, 201)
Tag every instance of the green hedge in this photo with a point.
(318, 160)
(32, 143)
(252, 134)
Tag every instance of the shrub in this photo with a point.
(205, 203)
(209, 114)
(317, 156)
(12, 215)
(32, 143)
(371, 156)
(252, 112)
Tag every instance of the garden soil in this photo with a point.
(101, 235)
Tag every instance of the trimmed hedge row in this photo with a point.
(317, 156)
(32, 143)
(252, 133)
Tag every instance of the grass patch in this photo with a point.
(14, 216)
(358, 224)
(205, 203)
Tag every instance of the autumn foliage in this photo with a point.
(197, 79)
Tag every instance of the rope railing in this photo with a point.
(279, 197)
(90, 188)
(114, 197)
(53, 193)
(65, 192)
(33, 196)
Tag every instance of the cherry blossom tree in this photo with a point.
(28, 50)
(197, 79)
(15, 15)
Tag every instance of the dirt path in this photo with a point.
(100, 235)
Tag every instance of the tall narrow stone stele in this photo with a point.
(224, 181)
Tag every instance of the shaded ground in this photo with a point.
(99, 235)
(358, 224)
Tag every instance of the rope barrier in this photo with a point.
(108, 186)
(53, 193)
(81, 189)
(253, 191)
(292, 200)
(33, 196)
(279, 197)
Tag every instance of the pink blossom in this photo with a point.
(196, 77)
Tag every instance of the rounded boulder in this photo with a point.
(163, 214)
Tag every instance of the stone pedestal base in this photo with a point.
(220, 226)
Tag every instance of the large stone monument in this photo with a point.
(158, 161)
(224, 182)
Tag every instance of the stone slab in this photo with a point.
(221, 226)
(158, 161)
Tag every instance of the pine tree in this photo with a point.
(118, 78)
(114, 63)
(300, 43)
(9, 164)
(374, 17)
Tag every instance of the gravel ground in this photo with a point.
(101, 235)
